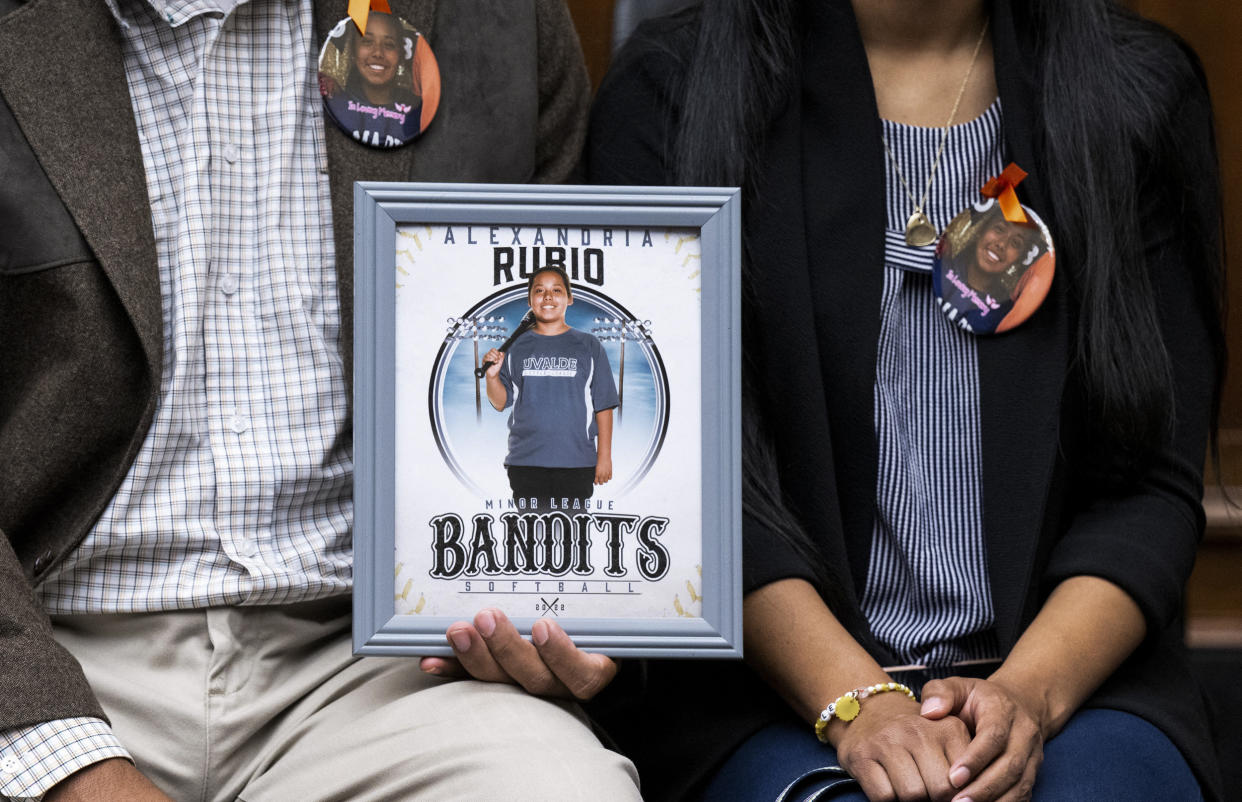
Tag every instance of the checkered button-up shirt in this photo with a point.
(241, 493)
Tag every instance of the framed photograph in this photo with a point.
(547, 414)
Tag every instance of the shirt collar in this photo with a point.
(173, 12)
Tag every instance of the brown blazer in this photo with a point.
(80, 319)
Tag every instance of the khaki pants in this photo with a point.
(268, 703)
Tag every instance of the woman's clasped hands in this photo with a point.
(971, 739)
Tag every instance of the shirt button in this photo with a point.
(228, 284)
(10, 766)
(239, 423)
(248, 548)
(295, 302)
(41, 563)
(231, 153)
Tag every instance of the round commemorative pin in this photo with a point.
(990, 274)
(383, 87)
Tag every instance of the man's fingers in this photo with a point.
(473, 655)
(491, 649)
(442, 667)
(583, 674)
(515, 655)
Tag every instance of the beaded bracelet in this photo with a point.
(847, 706)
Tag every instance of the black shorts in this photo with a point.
(544, 489)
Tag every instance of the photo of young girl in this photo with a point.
(558, 385)
(381, 87)
(991, 273)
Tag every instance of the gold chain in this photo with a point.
(918, 218)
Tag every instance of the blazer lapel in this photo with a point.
(1022, 373)
(350, 161)
(843, 181)
(75, 112)
(808, 255)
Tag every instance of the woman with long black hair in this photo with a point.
(1003, 525)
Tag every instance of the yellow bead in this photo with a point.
(847, 708)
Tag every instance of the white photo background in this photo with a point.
(462, 287)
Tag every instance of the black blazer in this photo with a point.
(815, 237)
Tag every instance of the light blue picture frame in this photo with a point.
(379, 210)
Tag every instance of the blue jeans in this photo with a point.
(1100, 756)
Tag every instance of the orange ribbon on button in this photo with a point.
(359, 9)
(1002, 188)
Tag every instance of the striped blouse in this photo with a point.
(927, 595)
